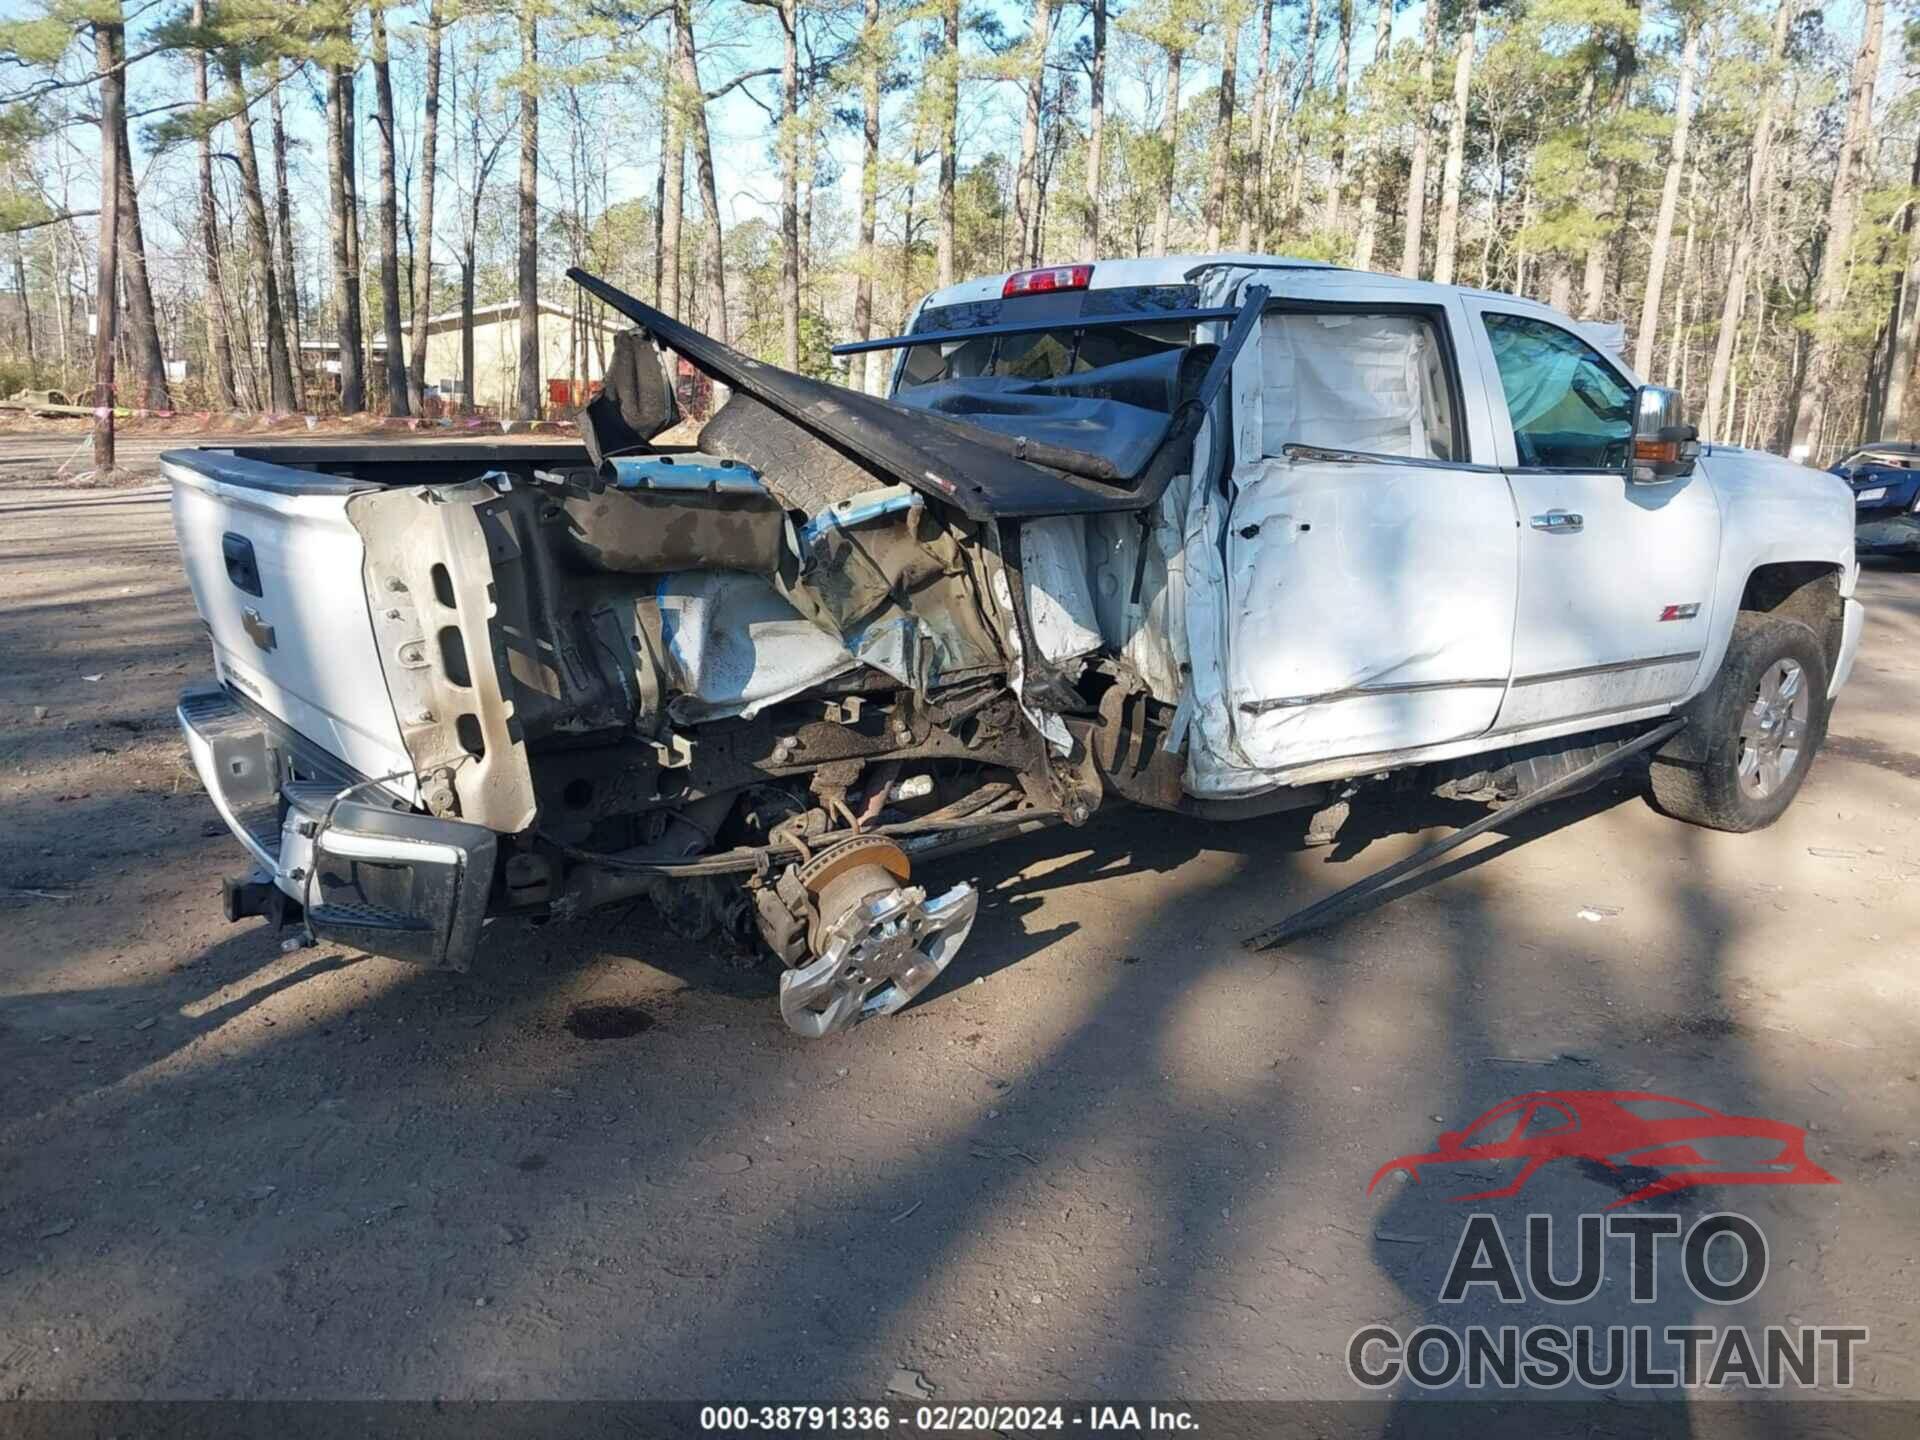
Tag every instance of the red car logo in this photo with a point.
(1626, 1131)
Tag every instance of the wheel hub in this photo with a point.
(1773, 733)
(877, 942)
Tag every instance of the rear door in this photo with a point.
(1371, 553)
(1616, 578)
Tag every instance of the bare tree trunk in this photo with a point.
(660, 186)
(788, 145)
(1096, 125)
(429, 168)
(1560, 287)
(949, 122)
(1815, 394)
(389, 218)
(1906, 316)
(1342, 64)
(219, 348)
(1253, 176)
(1170, 142)
(1669, 204)
(1758, 166)
(1223, 127)
(906, 248)
(468, 379)
(811, 169)
(703, 173)
(1522, 259)
(1370, 142)
(260, 243)
(1026, 182)
(527, 405)
(26, 301)
(283, 210)
(346, 280)
(673, 170)
(867, 368)
(350, 132)
(1309, 47)
(1893, 408)
(1447, 241)
(109, 43)
(143, 322)
(1677, 347)
(1413, 235)
(1594, 289)
(1269, 153)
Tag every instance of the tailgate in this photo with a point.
(277, 572)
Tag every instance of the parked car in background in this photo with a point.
(1885, 477)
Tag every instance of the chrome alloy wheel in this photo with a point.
(1773, 732)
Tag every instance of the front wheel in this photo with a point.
(1760, 723)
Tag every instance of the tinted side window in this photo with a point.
(1570, 409)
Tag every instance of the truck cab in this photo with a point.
(1422, 527)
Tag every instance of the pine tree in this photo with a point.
(429, 171)
(1816, 392)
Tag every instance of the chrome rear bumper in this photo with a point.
(342, 854)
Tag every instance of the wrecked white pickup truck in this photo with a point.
(1222, 535)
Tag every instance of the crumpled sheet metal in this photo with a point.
(869, 586)
(733, 645)
(890, 579)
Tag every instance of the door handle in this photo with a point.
(1559, 522)
(242, 568)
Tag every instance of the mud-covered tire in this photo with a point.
(803, 471)
(1710, 791)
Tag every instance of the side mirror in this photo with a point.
(1449, 1140)
(1663, 446)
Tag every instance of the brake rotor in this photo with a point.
(877, 942)
(837, 860)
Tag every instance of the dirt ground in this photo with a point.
(1112, 1154)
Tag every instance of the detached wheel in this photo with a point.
(1760, 723)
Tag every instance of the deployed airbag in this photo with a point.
(1347, 382)
(635, 402)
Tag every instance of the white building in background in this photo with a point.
(574, 350)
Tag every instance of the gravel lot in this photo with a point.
(1113, 1154)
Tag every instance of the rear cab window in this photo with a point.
(1094, 399)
